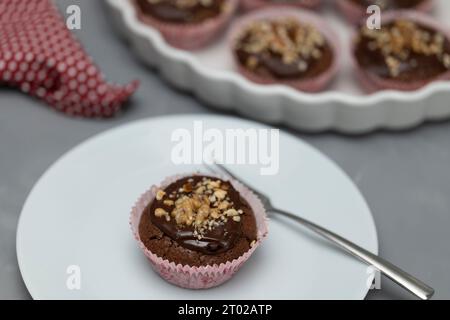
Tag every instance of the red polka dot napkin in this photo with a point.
(41, 57)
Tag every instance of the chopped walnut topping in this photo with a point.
(160, 213)
(231, 213)
(215, 213)
(223, 205)
(393, 65)
(203, 206)
(160, 195)
(398, 41)
(200, 190)
(187, 187)
(446, 60)
(169, 202)
(220, 194)
(293, 41)
(185, 3)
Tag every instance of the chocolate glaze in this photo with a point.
(271, 64)
(219, 239)
(389, 4)
(423, 68)
(168, 11)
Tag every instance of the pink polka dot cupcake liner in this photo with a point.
(203, 277)
(314, 84)
(248, 5)
(189, 36)
(355, 13)
(372, 83)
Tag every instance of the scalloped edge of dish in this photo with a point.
(276, 104)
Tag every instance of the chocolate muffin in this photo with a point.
(182, 11)
(283, 49)
(248, 5)
(403, 54)
(186, 24)
(285, 46)
(388, 4)
(198, 221)
(355, 10)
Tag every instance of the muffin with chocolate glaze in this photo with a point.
(407, 53)
(248, 5)
(186, 24)
(197, 231)
(285, 46)
(356, 10)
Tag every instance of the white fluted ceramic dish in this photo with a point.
(211, 76)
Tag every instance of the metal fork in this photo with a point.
(402, 278)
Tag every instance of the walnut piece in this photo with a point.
(203, 206)
(160, 195)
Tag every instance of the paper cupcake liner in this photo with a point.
(313, 84)
(202, 277)
(248, 5)
(354, 13)
(190, 36)
(372, 83)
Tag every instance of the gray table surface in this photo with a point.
(404, 176)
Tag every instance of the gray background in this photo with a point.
(404, 176)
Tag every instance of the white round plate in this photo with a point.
(78, 213)
(210, 74)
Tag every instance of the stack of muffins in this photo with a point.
(285, 42)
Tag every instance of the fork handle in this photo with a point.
(393, 272)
